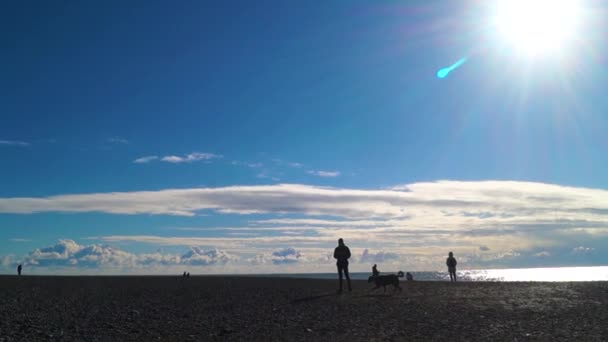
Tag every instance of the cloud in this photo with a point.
(189, 158)
(430, 205)
(282, 256)
(256, 165)
(144, 160)
(285, 256)
(14, 143)
(323, 173)
(513, 220)
(117, 140)
(198, 256)
(68, 253)
(582, 250)
(542, 254)
(19, 240)
(381, 256)
(6, 261)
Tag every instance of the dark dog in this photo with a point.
(383, 280)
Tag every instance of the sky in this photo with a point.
(153, 137)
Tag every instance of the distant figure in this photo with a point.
(342, 253)
(19, 269)
(188, 275)
(451, 262)
(409, 276)
(375, 271)
(184, 275)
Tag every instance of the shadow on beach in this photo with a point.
(311, 298)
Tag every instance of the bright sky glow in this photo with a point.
(537, 27)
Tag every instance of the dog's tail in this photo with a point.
(400, 274)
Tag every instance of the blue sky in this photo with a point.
(281, 127)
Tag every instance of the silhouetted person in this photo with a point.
(19, 268)
(375, 271)
(451, 262)
(409, 276)
(188, 275)
(342, 253)
(184, 275)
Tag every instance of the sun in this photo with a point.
(537, 27)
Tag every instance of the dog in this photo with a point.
(383, 280)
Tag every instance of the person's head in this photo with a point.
(451, 254)
(374, 265)
(340, 242)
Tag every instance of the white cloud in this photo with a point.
(198, 256)
(146, 159)
(377, 257)
(513, 220)
(6, 261)
(445, 204)
(285, 256)
(323, 173)
(282, 256)
(582, 250)
(192, 157)
(542, 254)
(68, 253)
(117, 140)
(19, 240)
(255, 165)
(14, 143)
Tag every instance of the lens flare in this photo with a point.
(442, 73)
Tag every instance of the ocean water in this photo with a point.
(594, 273)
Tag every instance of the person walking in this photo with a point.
(451, 263)
(19, 268)
(342, 254)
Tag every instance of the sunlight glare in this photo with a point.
(535, 27)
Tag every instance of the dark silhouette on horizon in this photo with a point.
(19, 268)
(375, 271)
(409, 276)
(342, 254)
(188, 275)
(184, 275)
(451, 263)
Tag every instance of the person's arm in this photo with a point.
(447, 262)
(455, 262)
(347, 253)
(336, 253)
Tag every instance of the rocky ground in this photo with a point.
(267, 309)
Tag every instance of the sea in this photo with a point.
(592, 273)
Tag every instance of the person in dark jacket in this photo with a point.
(451, 262)
(375, 271)
(19, 269)
(342, 254)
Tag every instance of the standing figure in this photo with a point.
(19, 269)
(451, 262)
(375, 271)
(342, 253)
(409, 276)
